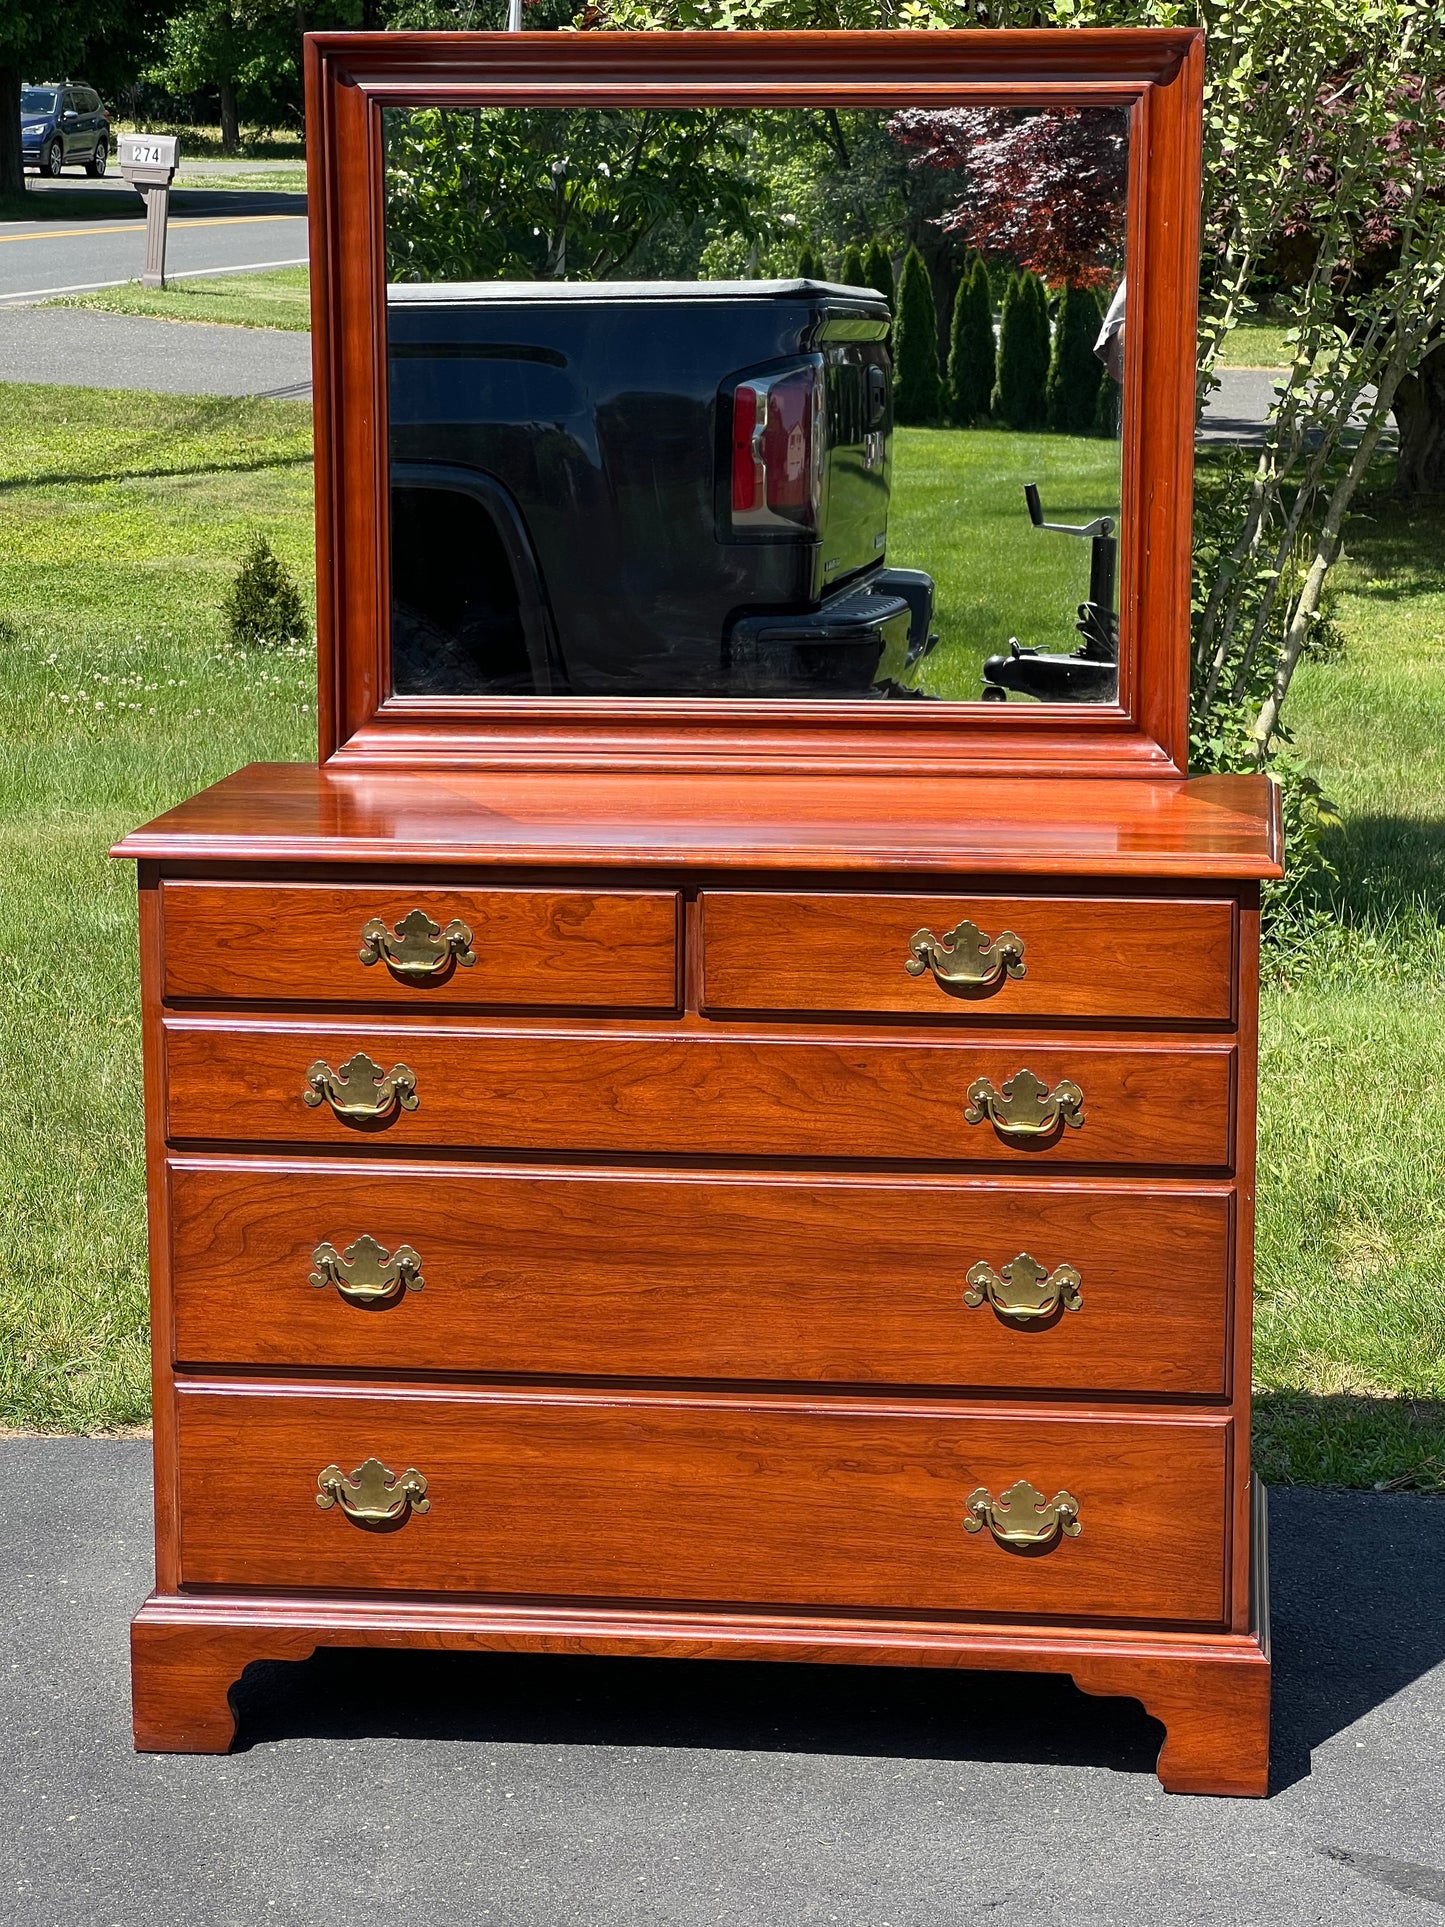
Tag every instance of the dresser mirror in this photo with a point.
(753, 402)
(627, 445)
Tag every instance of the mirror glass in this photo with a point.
(790, 403)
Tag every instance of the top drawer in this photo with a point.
(1146, 958)
(305, 943)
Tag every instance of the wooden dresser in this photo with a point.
(713, 1217)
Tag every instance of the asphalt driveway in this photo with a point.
(89, 349)
(539, 1792)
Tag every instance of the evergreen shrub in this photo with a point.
(1020, 398)
(264, 608)
(878, 272)
(971, 353)
(1075, 372)
(917, 384)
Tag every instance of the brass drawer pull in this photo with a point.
(964, 958)
(372, 1496)
(1023, 1517)
(418, 949)
(1025, 1107)
(358, 1092)
(364, 1275)
(1024, 1292)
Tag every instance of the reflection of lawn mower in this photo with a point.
(1091, 674)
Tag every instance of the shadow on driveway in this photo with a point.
(1358, 1613)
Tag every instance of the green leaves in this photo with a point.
(542, 195)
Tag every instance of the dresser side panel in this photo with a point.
(163, 1394)
(1246, 1157)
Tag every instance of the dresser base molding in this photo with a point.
(1209, 1691)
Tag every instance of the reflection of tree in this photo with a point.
(522, 194)
(1044, 187)
(819, 180)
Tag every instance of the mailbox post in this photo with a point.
(148, 162)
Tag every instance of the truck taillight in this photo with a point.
(749, 481)
(778, 448)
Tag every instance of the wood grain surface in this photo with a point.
(1210, 1692)
(659, 1497)
(1083, 957)
(1209, 828)
(301, 943)
(686, 1092)
(560, 1273)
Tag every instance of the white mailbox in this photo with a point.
(148, 159)
(148, 162)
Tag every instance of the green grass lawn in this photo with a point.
(204, 143)
(280, 298)
(1256, 344)
(958, 511)
(122, 518)
(1352, 1181)
(275, 178)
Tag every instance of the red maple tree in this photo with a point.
(1045, 187)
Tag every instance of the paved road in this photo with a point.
(211, 230)
(92, 350)
(540, 1792)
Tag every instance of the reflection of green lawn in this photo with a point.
(958, 512)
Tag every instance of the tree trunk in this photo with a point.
(230, 123)
(12, 178)
(1420, 418)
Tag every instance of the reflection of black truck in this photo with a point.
(644, 489)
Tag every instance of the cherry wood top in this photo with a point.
(1207, 828)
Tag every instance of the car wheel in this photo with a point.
(95, 166)
(53, 160)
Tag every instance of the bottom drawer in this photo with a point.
(784, 1502)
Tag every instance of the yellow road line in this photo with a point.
(139, 227)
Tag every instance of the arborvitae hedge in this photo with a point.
(264, 607)
(1075, 372)
(1020, 398)
(878, 271)
(851, 274)
(971, 355)
(917, 384)
(810, 268)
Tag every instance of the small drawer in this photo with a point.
(945, 1099)
(761, 1501)
(307, 943)
(1141, 959)
(331, 1265)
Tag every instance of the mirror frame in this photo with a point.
(1155, 73)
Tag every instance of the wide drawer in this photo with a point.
(1138, 958)
(306, 943)
(560, 1273)
(693, 1092)
(767, 1502)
